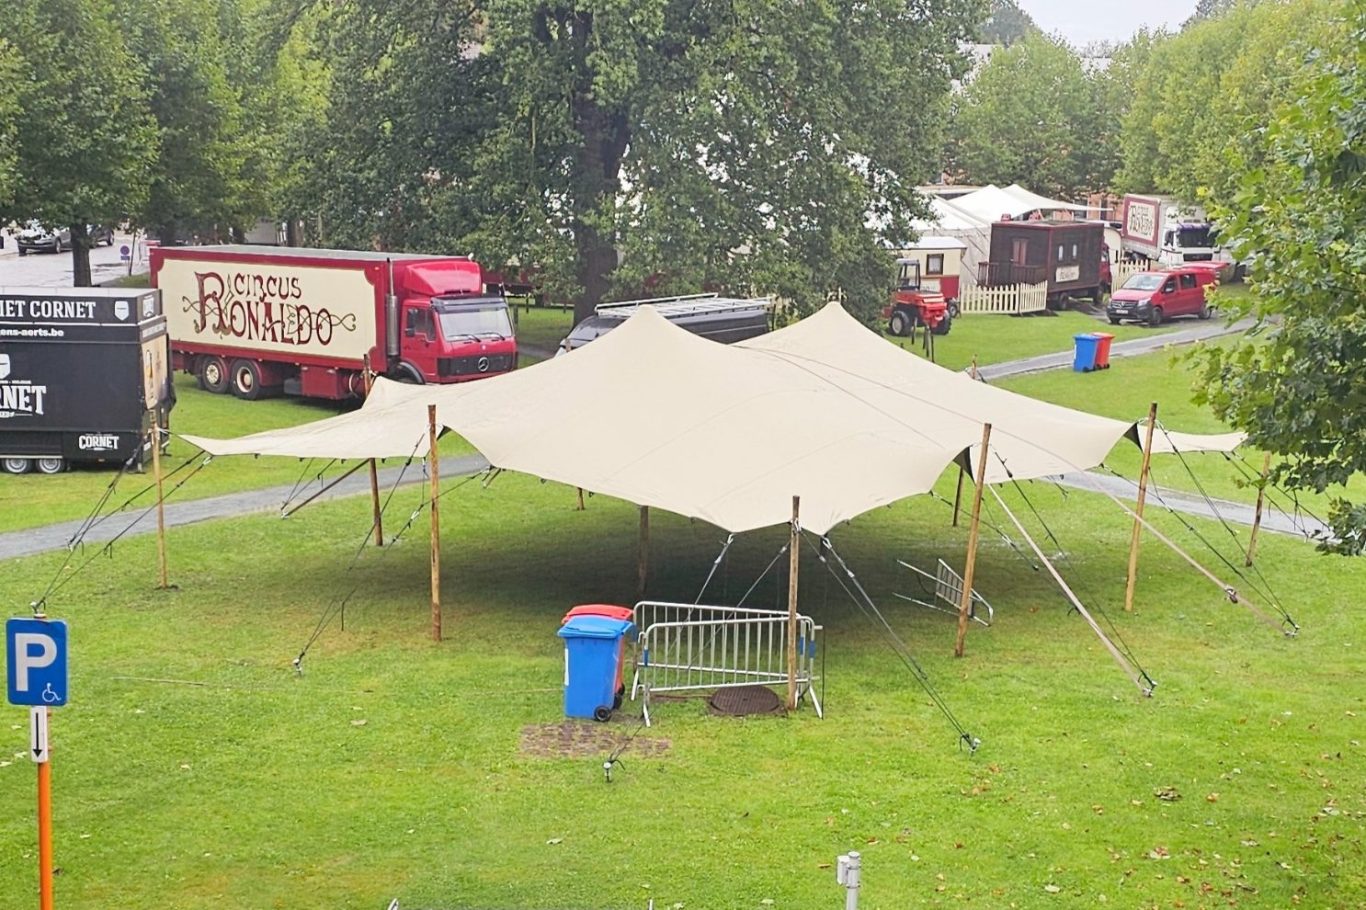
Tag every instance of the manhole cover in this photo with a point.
(744, 700)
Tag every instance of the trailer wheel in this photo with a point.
(246, 379)
(14, 465)
(50, 465)
(213, 374)
(899, 325)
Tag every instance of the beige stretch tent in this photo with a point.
(657, 416)
(1030, 438)
(825, 409)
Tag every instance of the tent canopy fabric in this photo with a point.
(825, 409)
(1035, 201)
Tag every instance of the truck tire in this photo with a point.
(245, 378)
(1155, 317)
(50, 465)
(212, 374)
(1204, 310)
(15, 465)
(899, 325)
(944, 325)
(408, 373)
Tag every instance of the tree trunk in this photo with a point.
(80, 256)
(606, 133)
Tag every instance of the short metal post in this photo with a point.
(847, 874)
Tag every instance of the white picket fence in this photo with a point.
(1008, 298)
(1121, 272)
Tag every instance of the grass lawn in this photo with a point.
(194, 769)
(995, 339)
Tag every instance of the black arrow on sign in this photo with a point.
(37, 752)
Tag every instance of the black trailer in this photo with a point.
(1066, 256)
(722, 319)
(82, 372)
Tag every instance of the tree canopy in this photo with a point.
(84, 137)
(1030, 114)
(1300, 208)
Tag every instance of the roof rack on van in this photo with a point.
(687, 304)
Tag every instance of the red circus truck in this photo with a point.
(256, 321)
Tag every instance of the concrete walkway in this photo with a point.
(1198, 331)
(136, 520)
(31, 541)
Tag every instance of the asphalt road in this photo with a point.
(53, 270)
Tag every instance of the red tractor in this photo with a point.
(914, 305)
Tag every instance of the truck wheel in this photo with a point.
(953, 309)
(1155, 317)
(899, 325)
(944, 325)
(1204, 310)
(50, 465)
(213, 374)
(14, 465)
(246, 379)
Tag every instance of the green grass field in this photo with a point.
(194, 769)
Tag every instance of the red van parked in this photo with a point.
(1152, 297)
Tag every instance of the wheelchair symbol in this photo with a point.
(48, 696)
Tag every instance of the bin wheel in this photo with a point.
(602, 714)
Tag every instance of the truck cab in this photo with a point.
(455, 337)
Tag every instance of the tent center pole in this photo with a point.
(434, 475)
(1138, 512)
(793, 565)
(163, 576)
(970, 568)
(1257, 513)
(374, 472)
(643, 553)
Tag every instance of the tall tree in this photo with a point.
(1029, 114)
(85, 139)
(1007, 23)
(617, 145)
(198, 180)
(11, 68)
(1301, 207)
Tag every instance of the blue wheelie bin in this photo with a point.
(592, 647)
(1087, 346)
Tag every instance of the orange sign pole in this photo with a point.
(45, 834)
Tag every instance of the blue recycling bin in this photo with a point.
(592, 645)
(1087, 345)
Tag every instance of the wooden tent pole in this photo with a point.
(434, 473)
(581, 507)
(965, 603)
(374, 472)
(163, 575)
(1257, 514)
(793, 566)
(643, 553)
(1138, 512)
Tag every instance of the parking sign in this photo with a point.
(35, 662)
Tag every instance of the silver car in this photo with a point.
(34, 238)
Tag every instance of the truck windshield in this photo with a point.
(1144, 281)
(475, 322)
(1194, 235)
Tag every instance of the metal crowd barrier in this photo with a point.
(694, 647)
(948, 593)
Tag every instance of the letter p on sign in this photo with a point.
(35, 662)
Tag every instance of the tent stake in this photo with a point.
(162, 574)
(965, 604)
(374, 473)
(435, 475)
(1257, 514)
(643, 553)
(793, 564)
(1138, 512)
